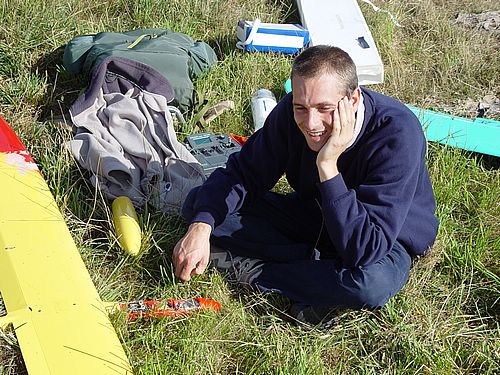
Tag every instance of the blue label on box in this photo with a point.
(283, 38)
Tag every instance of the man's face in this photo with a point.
(314, 101)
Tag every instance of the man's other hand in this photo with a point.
(343, 121)
(191, 254)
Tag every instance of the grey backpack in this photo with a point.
(124, 135)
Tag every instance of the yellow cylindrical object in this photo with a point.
(126, 225)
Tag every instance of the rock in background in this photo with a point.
(487, 21)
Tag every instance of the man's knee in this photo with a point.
(374, 295)
(377, 284)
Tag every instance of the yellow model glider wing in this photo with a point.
(59, 319)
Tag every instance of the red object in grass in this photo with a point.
(9, 142)
(170, 307)
(239, 139)
(11, 145)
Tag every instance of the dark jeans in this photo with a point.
(301, 264)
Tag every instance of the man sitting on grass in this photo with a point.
(362, 203)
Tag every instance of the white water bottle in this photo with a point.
(263, 103)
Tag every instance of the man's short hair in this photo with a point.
(321, 59)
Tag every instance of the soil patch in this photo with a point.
(486, 21)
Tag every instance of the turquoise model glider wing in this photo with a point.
(479, 135)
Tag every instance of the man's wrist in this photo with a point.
(327, 170)
(201, 227)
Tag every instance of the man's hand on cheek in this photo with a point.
(343, 121)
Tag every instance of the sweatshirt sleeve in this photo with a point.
(248, 174)
(363, 223)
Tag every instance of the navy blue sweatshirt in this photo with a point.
(382, 194)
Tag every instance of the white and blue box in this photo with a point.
(271, 37)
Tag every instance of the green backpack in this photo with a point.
(175, 55)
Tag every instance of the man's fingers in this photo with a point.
(188, 269)
(189, 265)
(175, 259)
(347, 119)
(336, 121)
(350, 113)
(184, 271)
(181, 263)
(185, 275)
(200, 268)
(344, 113)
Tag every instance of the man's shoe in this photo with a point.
(236, 269)
(322, 318)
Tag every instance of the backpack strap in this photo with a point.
(197, 120)
(208, 112)
(138, 40)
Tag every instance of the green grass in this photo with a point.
(445, 321)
